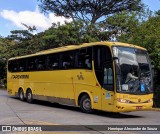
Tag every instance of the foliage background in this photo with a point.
(130, 22)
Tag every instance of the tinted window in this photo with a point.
(13, 66)
(101, 55)
(68, 59)
(108, 76)
(84, 57)
(41, 65)
(80, 58)
(53, 61)
(22, 65)
(35, 63)
(32, 64)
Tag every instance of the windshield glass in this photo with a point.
(134, 71)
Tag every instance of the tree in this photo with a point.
(30, 28)
(145, 33)
(25, 42)
(3, 48)
(20, 35)
(91, 11)
(70, 34)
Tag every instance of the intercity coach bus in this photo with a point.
(107, 76)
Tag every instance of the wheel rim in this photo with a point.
(21, 95)
(87, 104)
(29, 96)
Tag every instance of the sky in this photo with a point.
(15, 12)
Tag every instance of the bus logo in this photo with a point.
(80, 76)
(6, 128)
(139, 100)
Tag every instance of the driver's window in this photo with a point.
(108, 77)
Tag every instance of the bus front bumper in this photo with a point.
(127, 107)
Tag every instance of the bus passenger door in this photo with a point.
(108, 87)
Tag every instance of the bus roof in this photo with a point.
(74, 47)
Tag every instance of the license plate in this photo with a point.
(138, 107)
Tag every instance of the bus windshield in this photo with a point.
(134, 71)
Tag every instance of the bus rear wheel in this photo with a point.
(29, 96)
(85, 104)
(21, 94)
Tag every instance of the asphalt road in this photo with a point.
(16, 112)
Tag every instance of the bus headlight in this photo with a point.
(123, 100)
(150, 100)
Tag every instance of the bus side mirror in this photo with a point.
(116, 59)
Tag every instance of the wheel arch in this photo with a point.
(20, 88)
(85, 93)
(28, 89)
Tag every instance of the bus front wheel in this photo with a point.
(29, 96)
(21, 94)
(85, 104)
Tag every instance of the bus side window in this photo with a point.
(53, 61)
(16, 66)
(68, 59)
(85, 58)
(31, 64)
(22, 65)
(88, 62)
(108, 77)
(101, 54)
(41, 63)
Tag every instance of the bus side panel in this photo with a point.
(59, 86)
(85, 82)
(12, 85)
(53, 86)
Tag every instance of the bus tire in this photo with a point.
(29, 96)
(21, 94)
(85, 104)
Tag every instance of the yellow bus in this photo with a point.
(107, 76)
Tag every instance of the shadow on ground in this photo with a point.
(77, 109)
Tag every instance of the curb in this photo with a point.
(3, 88)
(155, 109)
